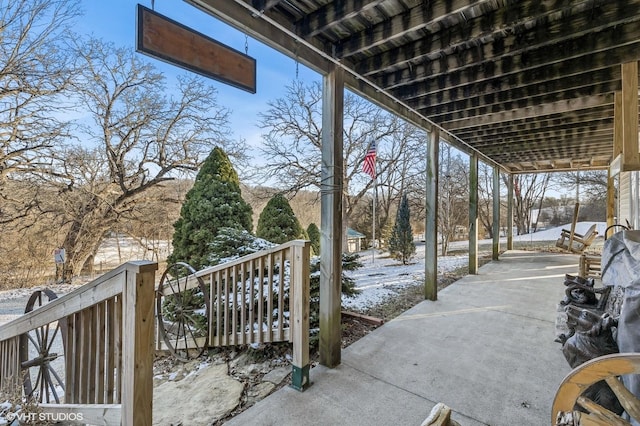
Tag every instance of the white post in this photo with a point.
(373, 232)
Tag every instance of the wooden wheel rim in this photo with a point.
(607, 368)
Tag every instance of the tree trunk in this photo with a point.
(80, 245)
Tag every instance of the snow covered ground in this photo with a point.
(379, 278)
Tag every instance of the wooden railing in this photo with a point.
(260, 298)
(108, 349)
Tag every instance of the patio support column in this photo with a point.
(473, 213)
(611, 201)
(431, 219)
(496, 213)
(510, 213)
(617, 152)
(630, 155)
(331, 218)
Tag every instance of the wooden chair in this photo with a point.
(574, 242)
(590, 265)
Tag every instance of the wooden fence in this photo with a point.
(108, 347)
(260, 298)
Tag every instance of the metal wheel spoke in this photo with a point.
(45, 336)
(60, 382)
(184, 329)
(40, 382)
(55, 333)
(180, 291)
(178, 327)
(38, 332)
(194, 323)
(51, 385)
(32, 339)
(176, 289)
(195, 342)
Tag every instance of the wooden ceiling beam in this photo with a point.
(553, 120)
(524, 170)
(555, 134)
(265, 5)
(514, 18)
(518, 99)
(428, 17)
(529, 112)
(544, 156)
(331, 15)
(570, 140)
(573, 141)
(613, 46)
(535, 127)
(512, 86)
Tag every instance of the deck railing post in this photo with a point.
(138, 343)
(300, 254)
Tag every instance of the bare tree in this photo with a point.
(292, 144)
(35, 75)
(485, 197)
(528, 192)
(591, 183)
(25, 255)
(143, 133)
(453, 194)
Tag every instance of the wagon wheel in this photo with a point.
(39, 350)
(182, 306)
(606, 368)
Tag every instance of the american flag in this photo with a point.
(369, 163)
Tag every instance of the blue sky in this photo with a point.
(115, 21)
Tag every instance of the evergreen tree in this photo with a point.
(214, 202)
(401, 243)
(231, 243)
(278, 223)
(314, 236)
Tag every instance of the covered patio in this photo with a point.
(523, 86)
(485, 348)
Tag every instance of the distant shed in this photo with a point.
(354, 240)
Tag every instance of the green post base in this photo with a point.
(300, 378)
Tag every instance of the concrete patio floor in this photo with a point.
(485, 349)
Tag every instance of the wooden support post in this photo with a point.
(496, 213)
(626, 149)
(630, 149)
(617, 124)
(431, 219)
(473, 214)
(137, 343)
(331, 218)
(300, 321)
(510, 213)
(611, 200)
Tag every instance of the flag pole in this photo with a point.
(373, 232)
(369, 166)
(375, 201)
